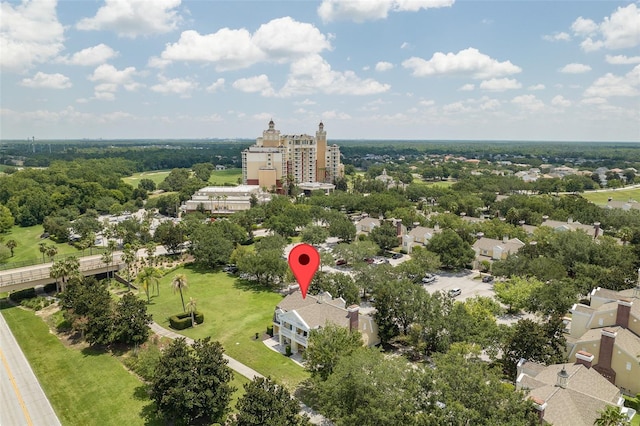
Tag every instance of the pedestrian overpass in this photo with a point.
(35, 275)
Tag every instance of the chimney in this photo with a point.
(584, 358)
(607, 341)
(622, 315)
(353, 312)
(563, 378)
(596, 229)
(399, 227)
(540, 406)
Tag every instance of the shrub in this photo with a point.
(36, 303)
(27, 293)
(182, 321)
(287, 350)
(270, 330)
(50, 288)
(144, 361)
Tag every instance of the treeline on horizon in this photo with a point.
(151, 154)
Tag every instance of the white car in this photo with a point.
(455, 292)
(428, 279)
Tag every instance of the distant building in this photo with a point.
(226, 199)
(275, 158)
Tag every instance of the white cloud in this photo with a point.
(622, 59)
(621, 30)
(47, 81)
(335, 115)
(593, 101)
(109, 78)
(133, 18)
(575, 68)
(177, 86)
(538, 86)
(562, 36)
(371, 10)
(405, 45)
(306, 102)
(469, 61)
(500, 84)
(559, 101)
(384, 66)
(427, 102)
(215, 86)
(584, 27)
(259, 83)
(280, 40)
(611, 85)
(467, 87)
(313, 74)
(30, 33)
(490, 105)
(528, 102)
(95, 55)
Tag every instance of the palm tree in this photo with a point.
(43, 250)
(65, 269)
(11, 245)
(191, 307)
(179, 282)
(147, 277)
(107, 258)
(51, 252)
(128, 256)
(611, 416)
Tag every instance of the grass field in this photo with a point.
(85, 387)
(233, 314)
(157, 176)
(225, 176)
(28, 240)
(619, 195)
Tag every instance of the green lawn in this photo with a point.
(28, 240)
(84, 387)
(621, 195)
(225, 176)
(234, 313)
(157, 176)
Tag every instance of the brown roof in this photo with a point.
(577, 404)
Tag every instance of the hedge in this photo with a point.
(182, 321)
(27, 293)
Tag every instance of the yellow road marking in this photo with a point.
(15, 388)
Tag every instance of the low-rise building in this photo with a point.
(609, 328)
(571, 394)
(226, 199)
(491, 249)
(295, 317)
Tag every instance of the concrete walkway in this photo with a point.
(240, 368)
(22, 401)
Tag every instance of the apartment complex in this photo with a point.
(276, 159)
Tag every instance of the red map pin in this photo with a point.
(304, 261)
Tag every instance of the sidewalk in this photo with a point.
(240, 368)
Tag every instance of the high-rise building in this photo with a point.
(276, 160)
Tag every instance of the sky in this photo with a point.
(377, 69)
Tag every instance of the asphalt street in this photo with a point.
(22, 400)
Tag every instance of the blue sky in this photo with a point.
(375, 69)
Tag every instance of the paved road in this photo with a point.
(22, 400)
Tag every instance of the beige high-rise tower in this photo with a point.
(277, 159)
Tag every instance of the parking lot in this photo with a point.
(463, 280)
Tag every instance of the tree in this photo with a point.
(191, 385)
(367, 388)
(147, 278)
(147, 184)
(170, 235)
(516, 292)
(315, 235)
(267, 403)
(611, 416)
(64, 269)
(6, 219)
(326, 345)
(178, 283)
(129, 257)
(131, 321)
(11, 245)
(385, 235)
(107, 258)
(343, 229)
(192, 306)
(453, 251)
(43, 248)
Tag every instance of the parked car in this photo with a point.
(396, 256)
(487, 279)
(369, 260)
(455, 292)
(231, 269)
(429, 278)
(341, 262)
